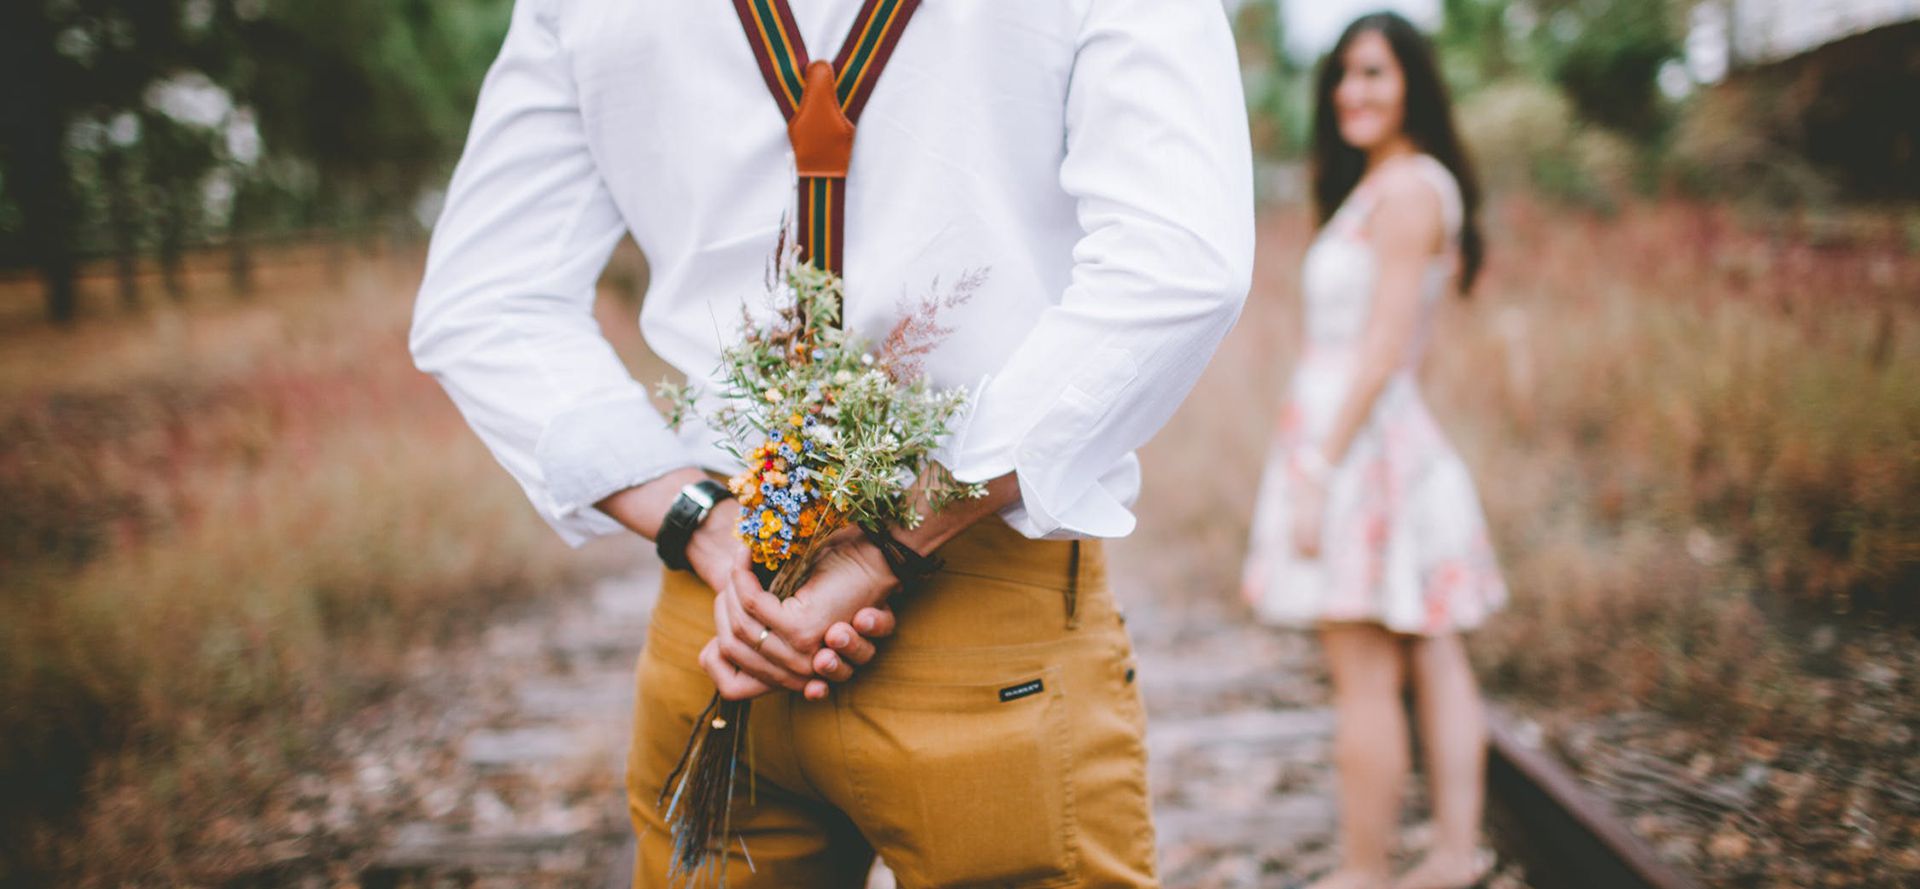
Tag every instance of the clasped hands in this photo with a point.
(816, 637)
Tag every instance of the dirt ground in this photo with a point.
(500, 765)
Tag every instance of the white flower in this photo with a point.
(843, 377)
(866, 359)
(773, 396)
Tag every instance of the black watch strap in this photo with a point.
(684, 517)
(908, 566)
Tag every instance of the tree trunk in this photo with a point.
(126, 246)
(34, 122)
(173, 243)
(239, 251)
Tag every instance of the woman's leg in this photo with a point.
(1370, 749)
(1453, 732)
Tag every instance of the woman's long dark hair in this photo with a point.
(1337, 166)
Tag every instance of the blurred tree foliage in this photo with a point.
(1279, 87)
(134, 128)
(1476, 43)
(1604, 55)
(1607, 55)
(1559, 96)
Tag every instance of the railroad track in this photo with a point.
(1560, 834)
(1240, 743)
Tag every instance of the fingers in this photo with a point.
(831, 665)
(874, 623)
(758, 637)
(733, 684)
(786, 619)
(744, 655)
(850, 645)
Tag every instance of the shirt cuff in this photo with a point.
(590, 451)
(1056, 501)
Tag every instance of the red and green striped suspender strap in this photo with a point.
(822, 130)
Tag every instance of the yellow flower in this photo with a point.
(796, 420)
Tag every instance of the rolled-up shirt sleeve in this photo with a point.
(504, 318)
(1158, 161)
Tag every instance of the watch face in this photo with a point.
(699, 495)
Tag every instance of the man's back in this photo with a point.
(1090, 154)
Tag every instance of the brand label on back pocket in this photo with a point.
(1024, 689)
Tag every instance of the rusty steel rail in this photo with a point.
(1562, 835)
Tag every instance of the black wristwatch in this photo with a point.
(684, 517)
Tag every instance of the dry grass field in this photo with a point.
(226, 524)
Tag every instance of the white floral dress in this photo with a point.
(1405, 543)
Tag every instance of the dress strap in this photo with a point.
(821, 102)
(1452, 206)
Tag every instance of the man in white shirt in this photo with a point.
(1093, 156)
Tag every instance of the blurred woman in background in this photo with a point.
(1368, 526)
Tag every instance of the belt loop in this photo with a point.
(1073, 585)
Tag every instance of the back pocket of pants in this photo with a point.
(965, 784)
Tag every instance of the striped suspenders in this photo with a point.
(821, 103)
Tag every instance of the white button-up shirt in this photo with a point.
(1092, 155)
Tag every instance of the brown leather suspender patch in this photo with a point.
(821, 103)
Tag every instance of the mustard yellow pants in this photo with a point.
(996, 740)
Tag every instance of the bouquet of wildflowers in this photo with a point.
(834, 432)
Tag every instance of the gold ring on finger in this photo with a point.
(762, 639)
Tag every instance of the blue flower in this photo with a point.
(819, 354)
(766, 487)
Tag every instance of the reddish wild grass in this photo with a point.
(225, 526)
